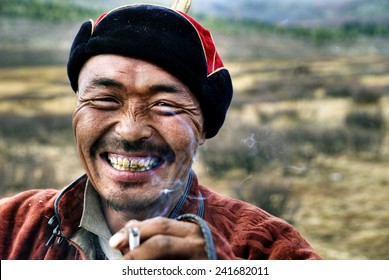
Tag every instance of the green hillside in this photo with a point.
(52, 11)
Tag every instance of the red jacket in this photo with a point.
(37, 224)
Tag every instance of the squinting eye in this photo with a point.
(164, 104)
(107, 99)
(166, 109)
(105, 103)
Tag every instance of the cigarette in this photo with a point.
(134, 238)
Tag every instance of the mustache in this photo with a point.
(141, 146)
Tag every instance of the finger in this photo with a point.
(169, 247)
(152, 227)
(120, 240)
(165, 226)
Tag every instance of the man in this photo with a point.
(151, 88)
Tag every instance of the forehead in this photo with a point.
(125, 69)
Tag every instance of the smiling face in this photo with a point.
(137, 129)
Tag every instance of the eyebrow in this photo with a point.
(105, 82)
(169, 88)
(111, 83)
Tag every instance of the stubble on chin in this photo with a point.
(140, 205)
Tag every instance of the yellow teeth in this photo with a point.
(126, 163)
(133, 165)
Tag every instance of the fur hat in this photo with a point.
(165, 37)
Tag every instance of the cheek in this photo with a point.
(86, 126)
(79, 126)
(181, 132)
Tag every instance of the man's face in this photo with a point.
(137, 129)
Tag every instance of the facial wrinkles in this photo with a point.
(185, 110)
(194, 114)
(136, 111)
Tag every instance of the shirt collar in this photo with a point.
(93, 221)
(92, 218)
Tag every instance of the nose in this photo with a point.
(133, 128)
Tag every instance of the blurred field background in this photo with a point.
(307, 134)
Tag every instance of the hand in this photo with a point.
(162, 238)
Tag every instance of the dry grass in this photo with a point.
(35, 90)
(341, 200)
(344, 208)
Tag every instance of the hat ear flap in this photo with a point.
(78, 49)
(216, 96)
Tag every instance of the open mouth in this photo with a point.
(133, 164)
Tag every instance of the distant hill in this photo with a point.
(284, 12)
(298, 12)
